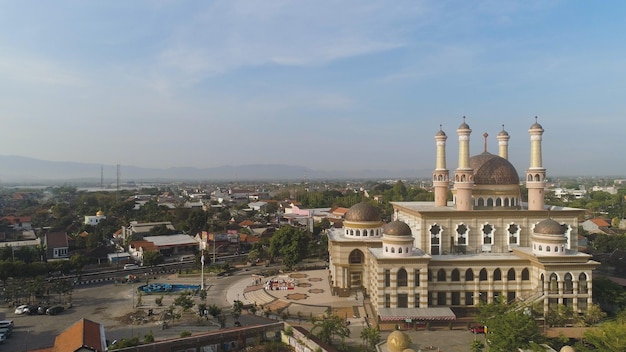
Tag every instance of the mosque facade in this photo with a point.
(484, 244)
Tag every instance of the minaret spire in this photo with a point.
(503, 144)
(441, 175)
(485, 135)
(536, 174)
(464, 174)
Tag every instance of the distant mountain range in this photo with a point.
(17, 169)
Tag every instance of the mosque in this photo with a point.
(437, 256)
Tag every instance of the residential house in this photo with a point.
(57, 246)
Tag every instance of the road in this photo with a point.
(105, 303)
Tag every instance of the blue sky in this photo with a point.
(328, 85)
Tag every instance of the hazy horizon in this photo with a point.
(325, 85)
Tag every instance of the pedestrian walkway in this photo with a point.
(308, 294)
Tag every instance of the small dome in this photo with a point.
(464, 126)
(100, 213)
(567, 349)
(536, 125)
(503, 133)
(398, 341)
(363, 212)
(549, 227)
(490, 169)
(397, 228)
(441, 133)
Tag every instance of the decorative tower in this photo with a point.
(536, 174)
(441, 175)
(503, 144)
(464, 175)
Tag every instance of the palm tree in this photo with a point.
(327, 327)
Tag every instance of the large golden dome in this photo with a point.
(363, 212)
(490, 169)
(397, 228)
(398, 341)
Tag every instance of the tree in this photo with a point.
(214, 310)
(184, 301)
(371, 336)
(152, 258)
(290, 243)
(236, 309)
(326, 328)
(608, 337)
(509, 326)
(594, 314)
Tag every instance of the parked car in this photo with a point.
(3, 338)
(478, 329)
(6, 332)
(41, 310)
(23, 309)
(54, 310)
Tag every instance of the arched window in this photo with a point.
(455, 275)
(497, 275)
(386, 249)
(582, 283)
(540, 248)
(406, 249)
(441, 275)
(461, 234)
(364, 233)
(356, 257)
(568, 285)
(537, 178)
(510, 275)
(490, 202)
(358, 233)
(393, 249)
(400, 250)
(469, 275)
(525, 274)
(481, 202)
(402, 278)
(554, 283)
(498, 202)
(547, 248)
(482, 276)
(556, 248)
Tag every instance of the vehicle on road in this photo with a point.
(3, 338)
(23, 309)
(478, 329)
(6, 332)
(54, 310)
(131, 266)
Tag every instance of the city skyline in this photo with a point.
(326, 85)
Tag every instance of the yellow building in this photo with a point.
(438, 256)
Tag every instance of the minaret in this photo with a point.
(464, 175)
(503, 144)
(536, 174)
(441, 175)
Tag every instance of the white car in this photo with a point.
(23, 309)
(3, 338)
(131, 266)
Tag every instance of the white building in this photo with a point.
(484, 244)
(94, 220)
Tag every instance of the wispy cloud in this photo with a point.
(228, 35)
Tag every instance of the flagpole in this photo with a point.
(202, 272)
